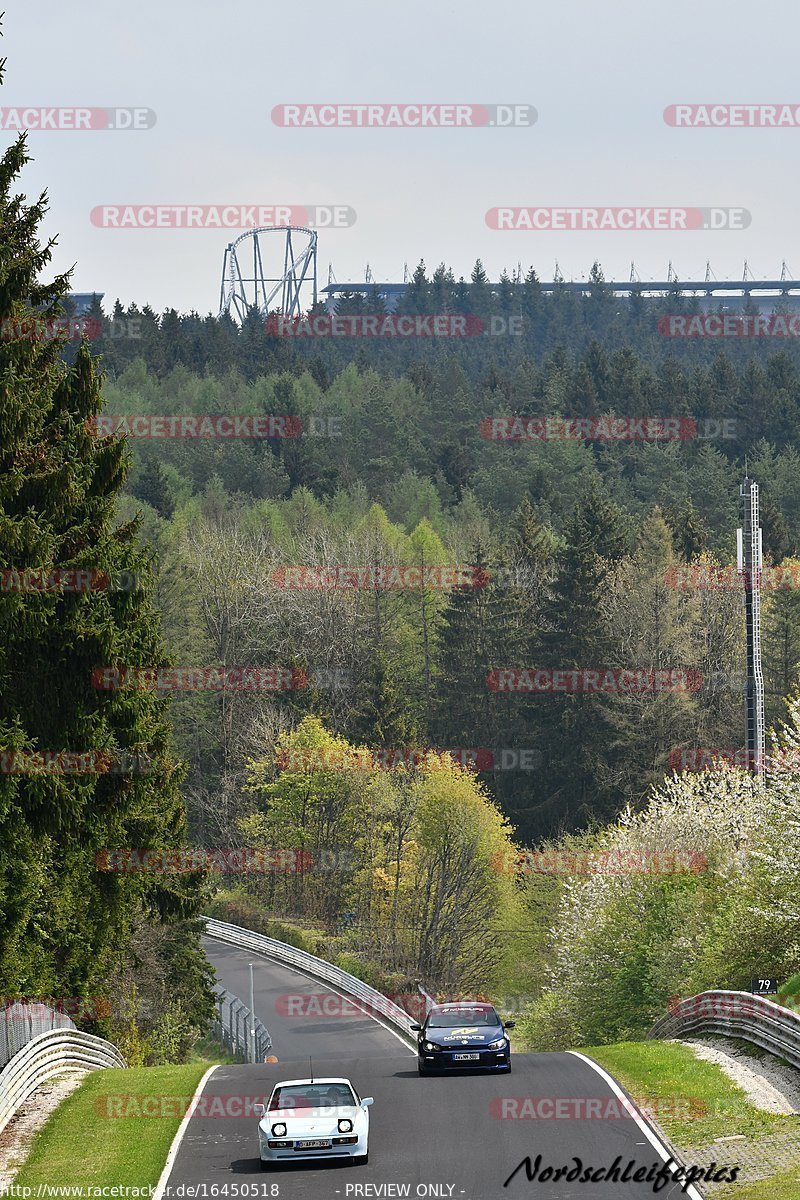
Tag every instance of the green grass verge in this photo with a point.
(693, 1101)
(207, 1051)
(785, 1186)
(83, 1147)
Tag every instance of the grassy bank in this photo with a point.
(785, 1186)
(695, 1103)
(692, 1100)
(81, 1145)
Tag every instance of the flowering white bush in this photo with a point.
(628, 937)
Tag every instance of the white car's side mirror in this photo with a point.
(259, 1110)
(367, 1101)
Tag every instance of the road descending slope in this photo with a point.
(458, 1137)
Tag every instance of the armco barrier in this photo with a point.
(376, 1004)
(738, 1015)
(46, 1056)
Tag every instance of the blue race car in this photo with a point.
(459, 1035)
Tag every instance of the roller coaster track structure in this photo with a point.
(240, 292)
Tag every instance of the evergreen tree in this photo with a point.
(573, 727)
(480, 292)
(781, 643)
(417, 296)
(657, 628)
(485, 630)
(531, 541)
(383, 717)
(775, 537)
(602, 523)
(689, 534)
(63, 922)
(153, 488)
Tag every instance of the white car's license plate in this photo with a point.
(466, 1057)
(313, 1144)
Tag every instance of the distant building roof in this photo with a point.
(83, 300)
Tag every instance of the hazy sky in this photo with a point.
(598, 73)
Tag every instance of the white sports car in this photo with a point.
(313, 1118)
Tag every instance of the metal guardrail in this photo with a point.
(232, 1027)
(48, 1055)
(736, 1014)
(21, 1022)
(376, 1004)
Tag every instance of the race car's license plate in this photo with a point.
(466, 1057)
(313, 1144)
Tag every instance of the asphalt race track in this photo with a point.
(295, 1038)
(439, 1136)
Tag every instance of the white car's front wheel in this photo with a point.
(361, 1159)
(265, 1166)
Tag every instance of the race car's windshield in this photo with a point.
(452, 1018)
(312, 1095)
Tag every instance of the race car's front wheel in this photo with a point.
(265, 1166)
(361, 1160)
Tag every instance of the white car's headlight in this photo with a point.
(498, 1045)
(279, 1129)
(345, 1125)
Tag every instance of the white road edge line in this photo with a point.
(320, 983)
(176, 1141)
(649, 1133)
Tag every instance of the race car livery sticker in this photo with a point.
(473, 1035)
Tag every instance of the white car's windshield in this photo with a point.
(311, 1095)
(455, 1017)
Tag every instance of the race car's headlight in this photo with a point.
(430, 1046)
(278, 1129)
(498, 1045)
(345, 1125)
